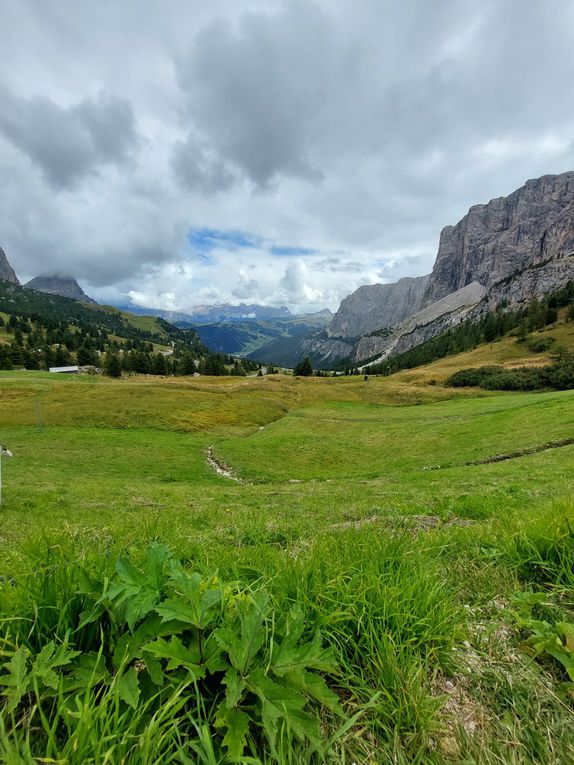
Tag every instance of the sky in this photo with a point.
(281, 152)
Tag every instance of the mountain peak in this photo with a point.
(55, 284)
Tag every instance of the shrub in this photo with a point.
(540, 344)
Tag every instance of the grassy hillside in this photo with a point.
(400, 588)
(507, 351)
(39, 331)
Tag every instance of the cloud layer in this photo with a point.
(323, 144)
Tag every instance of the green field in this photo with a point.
(399, 593)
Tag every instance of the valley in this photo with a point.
(374, 509)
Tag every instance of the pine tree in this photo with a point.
(112, 364)
(304, 368)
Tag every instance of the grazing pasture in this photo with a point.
(389, 579)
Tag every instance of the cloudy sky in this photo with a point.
(282, 152)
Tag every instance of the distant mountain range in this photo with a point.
(213, 314)
(241, 329)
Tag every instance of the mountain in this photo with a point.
(378, 305)
(504, 237)
(251, 336)
(500, 254)
(63, 286)
(213, 314)
(7, 273)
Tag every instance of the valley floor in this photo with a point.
(440, 578)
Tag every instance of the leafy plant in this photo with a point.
(546, 639)
(238, 668)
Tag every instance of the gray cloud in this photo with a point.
(249, 88)
(69, 143)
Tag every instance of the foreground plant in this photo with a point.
(176, 658)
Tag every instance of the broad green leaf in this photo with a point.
(243, 641)
(86, 671)
(154, 670)
(49, 659)
(180, 610)
(128, 688)
(297, 658)
(236, 723)
(130, 646)
(177, 654)
(87, 585)
(279, 702)
(128, 573)
(213, 657)
(194, 601)
(316, 687)
(18, 679)
(235, 687)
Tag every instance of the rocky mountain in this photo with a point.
(7, 273)
(503, 253)
(59, 285)
(378, 305)
(505, 236)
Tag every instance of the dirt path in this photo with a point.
(523, 452)
(219, 466)
(508, 456)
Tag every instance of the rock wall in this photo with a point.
(505, 236)
(7, 273)
(378, 305)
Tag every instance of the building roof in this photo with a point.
(64, 369)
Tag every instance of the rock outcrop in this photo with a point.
(375, 306)
(7, 273)
(428, 322)
(505, 236)
(59, 285)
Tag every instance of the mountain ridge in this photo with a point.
(515, 248)
(64, 286)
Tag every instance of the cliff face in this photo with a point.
(505, 236)
(7, 273)
(378, 305)
(58, 285)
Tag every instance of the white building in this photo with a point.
(65, 370)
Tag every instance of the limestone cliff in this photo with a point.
(7, 273)
(505, 252)
(505, 236)
(378, 305)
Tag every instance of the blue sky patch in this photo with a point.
(204, 240)
(293, 251)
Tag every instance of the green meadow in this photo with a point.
(377, 572)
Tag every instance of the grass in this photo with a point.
(408, 574)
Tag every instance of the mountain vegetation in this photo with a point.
(38, 331)
(334, 603)
(490, 327)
